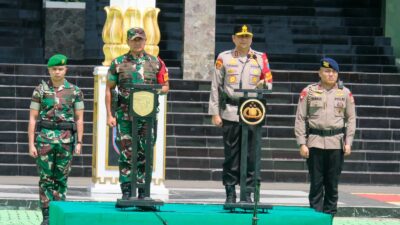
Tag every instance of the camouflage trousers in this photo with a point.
(54, 165)
(125, 138)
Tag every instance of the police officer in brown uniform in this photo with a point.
(324, 128)
(245, 68)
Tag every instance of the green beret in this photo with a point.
(57, 60)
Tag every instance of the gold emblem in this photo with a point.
(233, 61)
(244, 29)
(254, 80)
(231, 70)
(326, 64)
(143, 103)
(252, 111)
(339, 92)
(232, 79)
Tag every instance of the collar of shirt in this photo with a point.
(65, 85)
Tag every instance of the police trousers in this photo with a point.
(325, 167)
(232, 136)
(54, 165)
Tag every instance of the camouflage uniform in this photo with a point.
(230, 71)
(124, 70)
(55, 147)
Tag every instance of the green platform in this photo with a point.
(105, 213)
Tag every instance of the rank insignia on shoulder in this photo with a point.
(218, 64)
(303, 94)
(351, 98)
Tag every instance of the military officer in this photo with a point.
(241, 67)
(324, 128)
(59, 107)
(136, 66)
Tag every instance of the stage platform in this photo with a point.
(105, 213)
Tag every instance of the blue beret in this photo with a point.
(57, 60)
(329, 63)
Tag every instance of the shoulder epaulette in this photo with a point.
(45, 86)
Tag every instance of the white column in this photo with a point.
(104, 177)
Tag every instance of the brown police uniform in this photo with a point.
(325, 122)
(234, 72)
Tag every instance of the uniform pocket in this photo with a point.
(315, 106)
(339, 108)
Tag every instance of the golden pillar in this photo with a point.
(118, 23)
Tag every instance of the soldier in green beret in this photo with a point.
(58, 106)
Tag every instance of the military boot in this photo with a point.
(126, 190)
(230, 194)
(141, 193)
(45, 213)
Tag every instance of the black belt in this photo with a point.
(232, 101)
(57, 126)
(325, 133)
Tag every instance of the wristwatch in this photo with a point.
(79, 142)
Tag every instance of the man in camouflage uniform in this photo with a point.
(136, 66)
(245, 68)
(324, 128)
(59, 106)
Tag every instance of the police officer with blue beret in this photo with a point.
(324, 128)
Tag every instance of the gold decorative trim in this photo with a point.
(94, 137)
(119, 22)
(165, 136)
(108, 167)
(105, 180)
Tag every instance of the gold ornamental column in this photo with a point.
(117, 24)
(121, 16)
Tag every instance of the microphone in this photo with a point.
(241, 73)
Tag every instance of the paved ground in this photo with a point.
(357, 203)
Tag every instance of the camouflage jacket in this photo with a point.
(127, 69)
(56, 105)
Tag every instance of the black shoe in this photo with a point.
(126, 190)
(248, 198)
(230, 194)
(45, 213)
(141, 193)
